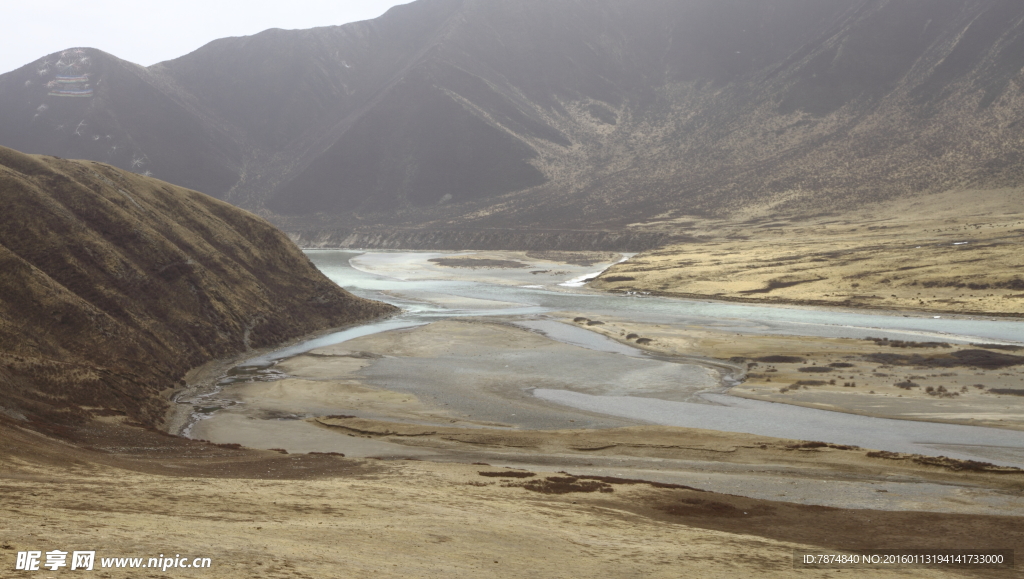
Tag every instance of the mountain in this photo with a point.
(558, 114)
(86, 104)
(115, 284)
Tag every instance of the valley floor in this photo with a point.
(477, 476)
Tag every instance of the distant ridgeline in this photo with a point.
(59, 114)
(71, 78)
(563, 116)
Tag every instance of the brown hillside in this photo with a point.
(115, 284)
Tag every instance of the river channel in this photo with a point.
(409, 280)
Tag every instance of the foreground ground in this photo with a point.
(263, 514)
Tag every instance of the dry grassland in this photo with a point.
(957, 252)
(262, 514)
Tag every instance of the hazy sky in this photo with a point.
(147, 32)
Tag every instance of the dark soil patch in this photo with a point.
(472, 262)
(1006, 347)
(558, 485)
(811, 444)
(841, 365)
(778, 284)
(633, 481)
(952, 464)
(694, 507)
(615, 278)
(969, 358)
(1009, 391)
(847, 529)
(906, 344)
(781, 359)
(815, 369)
(508, 474)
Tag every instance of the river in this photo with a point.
(398, 278)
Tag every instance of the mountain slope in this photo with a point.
(116, 112)
(115, 285)
(555, 114)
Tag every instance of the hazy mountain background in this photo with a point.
(558, 114)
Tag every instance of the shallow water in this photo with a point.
(740, 317)
(428, 300)
(787, 421)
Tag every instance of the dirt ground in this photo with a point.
(127, 492)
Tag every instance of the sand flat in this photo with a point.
(547, 269)
(859, 384)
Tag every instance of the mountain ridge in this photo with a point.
(528, 114)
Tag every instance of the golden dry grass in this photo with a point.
(261, 514)
(958, 252)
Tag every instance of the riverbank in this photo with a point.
(466, 372)
(203, 382)
(455, 466)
